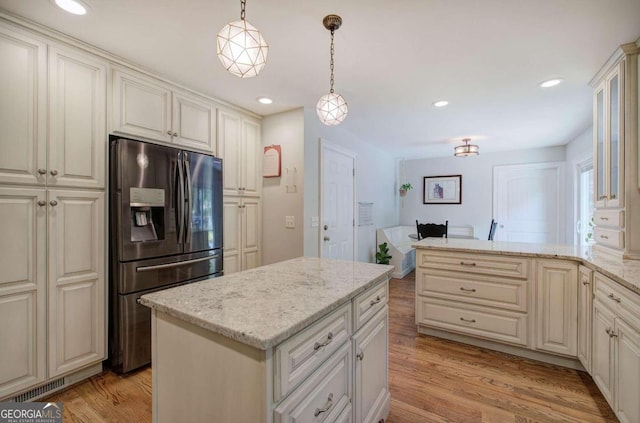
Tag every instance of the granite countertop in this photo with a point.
(624, 272)
(262, 307)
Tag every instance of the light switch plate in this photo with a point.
(290, 222)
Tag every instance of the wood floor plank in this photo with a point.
(431, 380)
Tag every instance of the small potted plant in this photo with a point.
(382, 256)
(404, 188)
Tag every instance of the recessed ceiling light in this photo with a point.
(75, 7)
(550, 83)
(441, 103)
(264, 100)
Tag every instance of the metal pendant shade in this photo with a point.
(332, 108)
(241, 47)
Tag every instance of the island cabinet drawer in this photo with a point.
(297, 357)
(367, 304)
(488, 264)
(484, 290)
(609, 237)
(617, 297)
(323, 396)
(478, 321)
(610, 218)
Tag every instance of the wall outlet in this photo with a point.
(290, 222)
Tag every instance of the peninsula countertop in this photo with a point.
(263, 306)
(624, 272)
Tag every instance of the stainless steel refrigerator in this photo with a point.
(165, 230)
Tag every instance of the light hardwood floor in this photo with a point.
(431, 380)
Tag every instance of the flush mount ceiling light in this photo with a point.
(332, 108)
(441, 103)
(241, 48)
(74, 7)
(466, 149)
(550, 83)
(264, 100)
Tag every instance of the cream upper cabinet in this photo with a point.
(77, 114)
(585, 305)
(239, 146)
(76, 280)
(242, 230)
(23, 225)
(148, 108)
(615, 141)
(23, 117)
(557, 307)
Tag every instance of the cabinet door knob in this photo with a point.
(612, 197)
(53, 203)
(169, 133)
(175, 134)
(326, 238)
(585, 282)
(360, 355)
(611, 333)
(42, 203)
(42, 171)
(53, 172)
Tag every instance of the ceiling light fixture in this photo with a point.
(332, 108)
(264, 100)
(241, 48)
(550, 83)
(466, 149)
(74, 7)
(441, 103)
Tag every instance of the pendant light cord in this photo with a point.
(331, 63)
(243, 3)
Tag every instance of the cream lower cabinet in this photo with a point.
(146, 107)
(557, 307)
(59, 308)
(616, 347)
(585, 308)
(242, 233)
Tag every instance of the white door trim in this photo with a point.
(560, 169)
(580, 163)
(327, 145)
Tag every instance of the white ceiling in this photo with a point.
(393, 60)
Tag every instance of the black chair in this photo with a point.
(433, 230)
(492, 229)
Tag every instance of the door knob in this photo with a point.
(42, 171)
(326, 227)
(53, 172)
(326, 238)
(53, 203)
(42, 203)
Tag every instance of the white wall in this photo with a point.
(279, 243)
(375, 183)
(477, 186)
(578, 150)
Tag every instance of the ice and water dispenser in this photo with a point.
(147, 214)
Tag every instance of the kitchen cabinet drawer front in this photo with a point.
(609, 218)
(475, 289)
(323, 396)
(617, 297)
(496, 325)
(609, 237)
(488, 264)
(346, 416)
(297, 357)
(367, 304)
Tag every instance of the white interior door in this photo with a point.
(337, 175)
(528, 202)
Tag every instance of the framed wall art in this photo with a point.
(446, 189)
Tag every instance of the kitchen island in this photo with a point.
(553, 303)
(300, 340)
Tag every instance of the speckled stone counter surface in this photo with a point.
(626, 273)
(266, 305)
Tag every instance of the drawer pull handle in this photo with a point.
(604, 237)
(326, 407)
(585, 282)
(617, 300)
(467, 290)
(468, 321)
(376, 301)
(611, 333)
(318, 345)
(360, 355)
(467, 264)
(604, 218)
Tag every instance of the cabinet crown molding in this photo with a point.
(628, 49)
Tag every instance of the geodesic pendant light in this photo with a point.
(332, 108)
(241, 48)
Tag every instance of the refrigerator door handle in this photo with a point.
(187, 214)
(175, 264)
(180, 199)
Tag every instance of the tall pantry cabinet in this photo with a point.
(52, 220)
